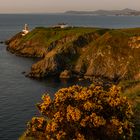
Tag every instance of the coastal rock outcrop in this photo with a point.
(109, 53)
(66, 74)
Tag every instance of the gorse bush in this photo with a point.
(83, 113)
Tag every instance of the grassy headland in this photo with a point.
(83, 52)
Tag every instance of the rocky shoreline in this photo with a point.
(80, 52)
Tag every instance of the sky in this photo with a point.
(54, 6)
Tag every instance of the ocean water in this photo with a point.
(18, 94)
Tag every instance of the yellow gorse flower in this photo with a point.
(88, 105)
(79, 137)
(78, 113)
(73, 113)
(97, 120)
(51, 127)
(60, 135)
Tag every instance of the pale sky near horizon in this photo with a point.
(45, 6)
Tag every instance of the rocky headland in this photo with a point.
(81, 52)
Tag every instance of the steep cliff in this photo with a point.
(83, 52)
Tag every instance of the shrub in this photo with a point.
(81, 113)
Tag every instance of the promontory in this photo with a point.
(80, 52)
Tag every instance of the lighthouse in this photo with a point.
(25, 30)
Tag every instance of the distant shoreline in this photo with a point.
(123, 12)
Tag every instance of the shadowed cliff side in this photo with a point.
(81, 52)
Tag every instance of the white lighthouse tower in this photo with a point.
(25, 30)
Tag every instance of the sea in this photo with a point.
(18, 94)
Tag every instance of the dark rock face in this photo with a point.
(84, 52)
(47, 66)
(27, 49)
(2, 42)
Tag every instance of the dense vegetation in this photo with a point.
(80, 113)
(132, 92)
(81, 52)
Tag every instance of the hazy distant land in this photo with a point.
(124, 12)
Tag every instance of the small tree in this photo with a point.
(81, 113)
